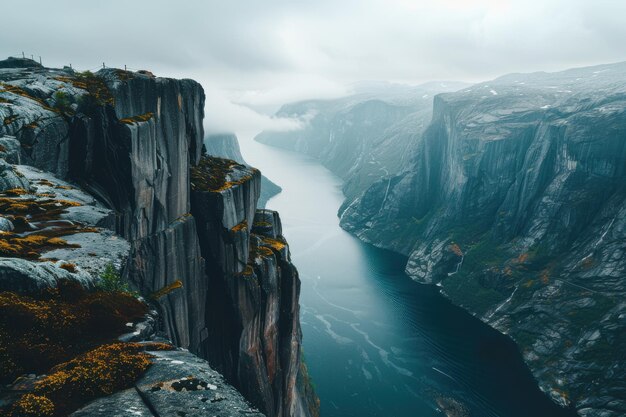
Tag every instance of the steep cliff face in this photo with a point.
(226, 145)
(131, 140)
(514, 204)
(363, 137)
(253, 320)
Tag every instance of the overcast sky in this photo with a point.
(260, 54)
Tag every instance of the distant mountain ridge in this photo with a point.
(511, 196)
(364, 136)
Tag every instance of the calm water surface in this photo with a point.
(377, 343)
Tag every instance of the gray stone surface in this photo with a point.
(226, 145)
(23, 276)
(131, 146)
(5, 224)
(177, 384)
(126, 403)
(514, 202)
(362, 137)
(9, 178)
(261, 314)
(10, 149)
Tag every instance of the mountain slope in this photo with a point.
(180, 226)
(514, 202)
(362, 137)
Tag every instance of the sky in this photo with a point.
(253, 56)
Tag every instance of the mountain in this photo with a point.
(513, 201)
(106, 194)
(364, 136)
(226, 145)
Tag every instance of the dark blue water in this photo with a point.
(377, 343)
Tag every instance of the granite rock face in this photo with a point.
(178, 383)
(514, 203)
(130, 140)
(253, 320)
(84, 225)
(362, 137)
(226, 145)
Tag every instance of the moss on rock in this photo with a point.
(37, 332)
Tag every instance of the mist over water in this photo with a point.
(377, 343)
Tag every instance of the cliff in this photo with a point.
(132, 140)
(514, 203)
(226, 145)
(362, 137)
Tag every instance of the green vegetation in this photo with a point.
(124, 75)
(464, 288)
(111, 281)
(210, 174)
(95, 373)
(98, 92)
(23, 242)
(63, 102)
(47, 328)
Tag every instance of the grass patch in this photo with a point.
(464, 288)
(111, 281)
(40, 331)
(98, 92)
(95, 373)
(211, 174)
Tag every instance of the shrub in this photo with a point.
(31, 405)
(63, 102)
(111, 281)
(40, 331)
(98, 372)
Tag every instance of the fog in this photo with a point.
(253, 56)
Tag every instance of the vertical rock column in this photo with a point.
(254, 335)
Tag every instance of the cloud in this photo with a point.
(252, 56)
(223, 115)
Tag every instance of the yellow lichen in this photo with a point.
(39, 331)
(31, 405)
(211, 174)
(98, 372)
(16, 192)
(262, 224)
(166, 290)
(69, 267)
(94, 85)
(273, 243)
(241, 226)
(136, 119)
